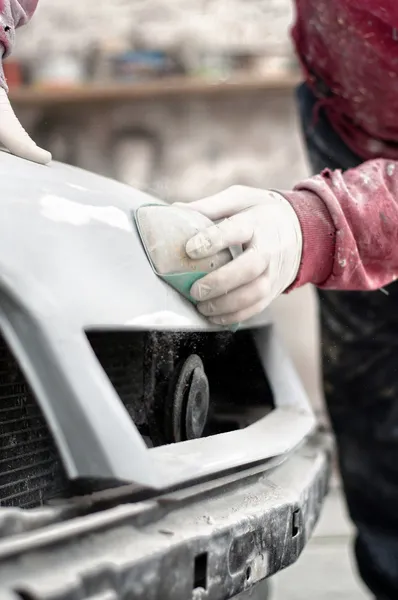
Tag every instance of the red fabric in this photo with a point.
(350, 227)
(319, 236)
(352, 47)
(350, 221)
(13, 14)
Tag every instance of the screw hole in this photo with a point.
(248, 573)
(23, 595)
(200, 571)
(7, 28)
(296, 519)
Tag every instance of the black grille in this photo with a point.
(31, 472)
(121, 355)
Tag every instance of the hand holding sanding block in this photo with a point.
(164, 231)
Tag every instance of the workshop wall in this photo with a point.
(62, 25)
(178, 149)
(182, 150)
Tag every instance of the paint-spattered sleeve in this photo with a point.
(13, 14)
(350, 227)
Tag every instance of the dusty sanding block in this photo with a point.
(164, 231)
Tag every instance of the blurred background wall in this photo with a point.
(254, 25)
(182, 145)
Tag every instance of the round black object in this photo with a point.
(188, 401)
(197, 404)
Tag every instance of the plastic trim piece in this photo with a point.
(95, 434)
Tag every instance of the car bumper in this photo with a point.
(211, 541)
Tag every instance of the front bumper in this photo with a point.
(211, 541)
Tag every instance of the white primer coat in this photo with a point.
(62, 210)
(164, 318)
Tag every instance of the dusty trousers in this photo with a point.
(360, 375)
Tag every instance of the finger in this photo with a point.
(15, 138)
(240, 299)
(236, 230)
(28, 7)
(241, 315)
(240, 271)
(222, 205)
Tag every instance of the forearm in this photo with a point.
(350, 227)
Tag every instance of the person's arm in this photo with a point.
(350, 227)
(337, 231)
(14, 14)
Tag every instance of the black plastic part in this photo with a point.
(213, 541)
(197, 407)
(187, 404)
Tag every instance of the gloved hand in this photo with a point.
(15, 13)
(14, 137)
(265, 224)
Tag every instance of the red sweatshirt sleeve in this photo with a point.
(350, 227)
(13, 14)
(21, 11)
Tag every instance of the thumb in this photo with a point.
(14, 137)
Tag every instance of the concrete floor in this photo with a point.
(326, 569)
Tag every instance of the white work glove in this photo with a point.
(14, 137)
(14, 14)
(266, 226)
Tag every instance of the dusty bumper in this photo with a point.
(210, 541)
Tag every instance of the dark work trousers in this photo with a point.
(360, 374)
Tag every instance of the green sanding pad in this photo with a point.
(164, 231)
